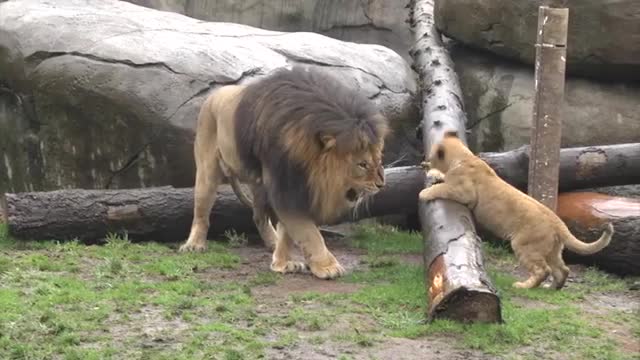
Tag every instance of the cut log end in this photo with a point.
(586, 214)
(467, 306)
(448, 299)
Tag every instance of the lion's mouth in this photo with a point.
(351, 195)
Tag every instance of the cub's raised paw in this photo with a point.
(288, 266)
(436, 175)
(193, 247)
(425, 195)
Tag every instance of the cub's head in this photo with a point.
(448, 151)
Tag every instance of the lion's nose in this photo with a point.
(380, 185)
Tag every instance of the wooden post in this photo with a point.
(458, 287)
(546, 129)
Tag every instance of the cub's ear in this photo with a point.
(451, 133)
(440, 152)
(328, 142)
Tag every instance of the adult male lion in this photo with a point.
(309, 147)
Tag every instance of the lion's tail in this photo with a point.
(582, 248)
(240, 193)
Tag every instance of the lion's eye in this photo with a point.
(363, 165)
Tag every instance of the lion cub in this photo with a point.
(536, 233)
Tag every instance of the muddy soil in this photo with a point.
(272, 299)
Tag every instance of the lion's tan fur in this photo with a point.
(536, 233)
(329, 177)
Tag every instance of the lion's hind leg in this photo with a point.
(262, 218)
(208, 177)
(281, 261)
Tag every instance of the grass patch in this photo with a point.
(56, 298)
(234, 239)
(67, 300)
(394, 296)
(383, 239)
(265, 278)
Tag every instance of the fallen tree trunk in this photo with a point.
(165, 212)
(458, 286)
(580, 167)
(587, 212)
(159, 214)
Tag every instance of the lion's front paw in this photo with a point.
(288, 266)
(329, 268)
(194, 246)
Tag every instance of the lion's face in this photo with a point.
(365, 174)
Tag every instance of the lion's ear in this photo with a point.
(440, 152)
(328, 142)
(451, 133)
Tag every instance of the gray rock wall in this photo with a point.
(370, 22)
(104, 93)
(498, 96)
(603, 35)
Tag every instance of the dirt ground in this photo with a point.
(272, 299)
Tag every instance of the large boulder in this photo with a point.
(104, 93)
(603, 35)
(379, 22)
(498, 96)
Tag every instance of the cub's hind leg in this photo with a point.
(534, 262)
(281, 261)
(559, 270)
(208, 177)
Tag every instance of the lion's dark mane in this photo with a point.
(309, 100)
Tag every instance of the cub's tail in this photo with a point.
(583, 248)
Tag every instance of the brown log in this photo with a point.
(549, 91)
(159, 214)
(580, 167)
(84, 214)
(587, 212)
(458, 286)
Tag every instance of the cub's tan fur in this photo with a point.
(310, 150)
(536, 233)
